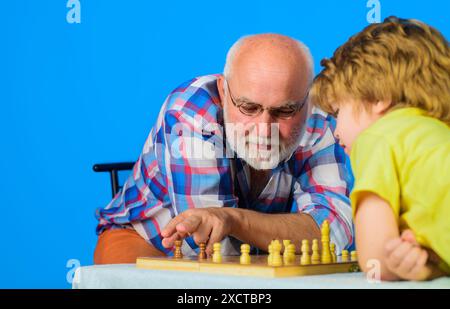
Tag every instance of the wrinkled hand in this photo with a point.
(205, 225)
(406, 258)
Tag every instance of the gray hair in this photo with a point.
(237, 45)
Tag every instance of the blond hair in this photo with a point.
(401, 61)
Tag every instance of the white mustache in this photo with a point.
(259, 140)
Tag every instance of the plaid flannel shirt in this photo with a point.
(315, 179)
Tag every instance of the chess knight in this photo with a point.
(283, 175)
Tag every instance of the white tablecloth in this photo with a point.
(126, 276)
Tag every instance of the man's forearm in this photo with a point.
(258, 229)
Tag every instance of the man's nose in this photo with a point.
(264, 124)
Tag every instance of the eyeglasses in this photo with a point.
(253, 109)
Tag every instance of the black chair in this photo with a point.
(113, 169)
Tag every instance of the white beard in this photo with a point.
(246, 146)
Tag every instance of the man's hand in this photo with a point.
(407, 259)
(206, 225)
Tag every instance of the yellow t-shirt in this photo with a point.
(404, 158)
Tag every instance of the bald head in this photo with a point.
(270, 53)
(270, 72)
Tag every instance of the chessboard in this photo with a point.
(274, 265)
(230, 265)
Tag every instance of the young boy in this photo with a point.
(389, 87)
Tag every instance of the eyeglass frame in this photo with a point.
(261, 109)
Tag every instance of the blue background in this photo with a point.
(72, 95)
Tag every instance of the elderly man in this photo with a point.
(286, 173)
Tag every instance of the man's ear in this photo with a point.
(220, 88)
(381, 107)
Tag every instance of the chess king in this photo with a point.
(283, 174)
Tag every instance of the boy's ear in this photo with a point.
(220, 89)
(381, 107)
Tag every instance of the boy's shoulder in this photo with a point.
(408, 134)
(408, 125)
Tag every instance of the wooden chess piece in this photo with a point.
(344, 256)
(315, 257)
(202, 253)
(305, 259)
(326, 253)
(245, 258)
(277, 260)
(217, 255)
(178, 254)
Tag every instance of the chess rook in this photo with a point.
(277, 260)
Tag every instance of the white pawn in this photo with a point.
(245, 254)
(286, 243)
(333, 252)
(269, 257)
(217, 255)
(344, 256)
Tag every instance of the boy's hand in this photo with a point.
(406, 258)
